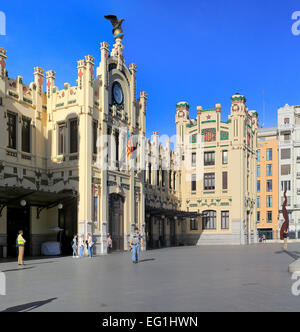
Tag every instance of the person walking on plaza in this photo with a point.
(81, 245)
(75, 246)
(21, 246)
(90, 245)
(136, 242)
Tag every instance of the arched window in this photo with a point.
(209, 220)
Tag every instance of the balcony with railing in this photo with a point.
(286, 142)
(286, 127)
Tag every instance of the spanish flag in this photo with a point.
(130, 145)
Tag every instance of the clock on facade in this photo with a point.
(181, 114)
(118, 95)
(236, 108)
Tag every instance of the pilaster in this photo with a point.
(38, 130)
(85, 99)
(143, 112)
(3, 58)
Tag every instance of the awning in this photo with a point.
(12, 196)
(158, 212)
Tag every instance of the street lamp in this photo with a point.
(23, 203)
(60, 206)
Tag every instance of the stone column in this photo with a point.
(102, 73)
(132, 109)
(39, 138)
(104, 193)
(155, 154)
(143, 112)
(85, 93)
(113, 149)
(50, 78)
(3, 58)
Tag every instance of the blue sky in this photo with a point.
(198, 51)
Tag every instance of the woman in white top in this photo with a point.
(109, 243)
(81, 245)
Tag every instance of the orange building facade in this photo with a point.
(267, 184)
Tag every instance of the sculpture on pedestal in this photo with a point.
(117, 24)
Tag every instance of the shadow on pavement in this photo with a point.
(19, 269)
(147, 260)
(294, 254)
(29, 263)
(30, 259)
(29, 306)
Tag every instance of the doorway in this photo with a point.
(149, 233)
(68, 224)
(17, 219)
(161, 229)
(116, 221)
(173, 232)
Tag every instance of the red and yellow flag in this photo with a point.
(130, 145)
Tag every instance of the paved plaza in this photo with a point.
(253, 278)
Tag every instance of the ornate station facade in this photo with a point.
(63, 169)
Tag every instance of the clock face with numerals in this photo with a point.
(118, 93)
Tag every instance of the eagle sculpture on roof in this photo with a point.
(117, 24)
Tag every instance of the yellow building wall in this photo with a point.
(48, 220)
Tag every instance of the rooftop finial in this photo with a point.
(117, 24)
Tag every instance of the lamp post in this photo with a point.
(23, 203)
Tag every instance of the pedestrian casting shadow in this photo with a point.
(294, 254)
(19, 269)
(29, 306)
(147, 260)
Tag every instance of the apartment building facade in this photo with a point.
(267, 183)
(289, 164)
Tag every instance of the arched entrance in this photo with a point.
(116, 221)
